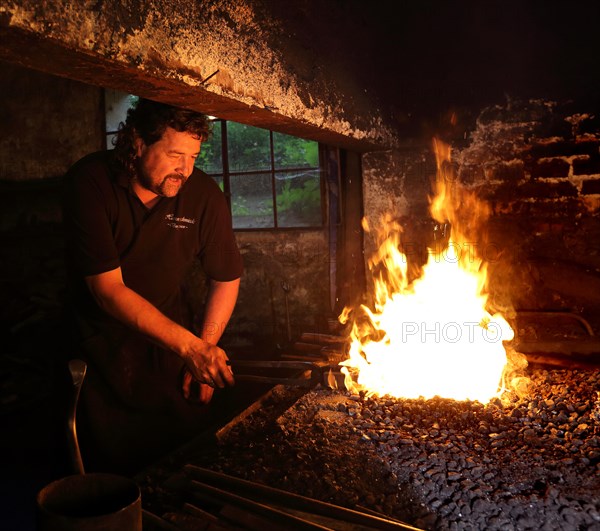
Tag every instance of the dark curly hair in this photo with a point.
(148, 120)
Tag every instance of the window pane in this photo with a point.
(210, 159)
(110, 141)
(251, 201)
(298, 199)
(116, 105)
(248, 148)
(293, 152)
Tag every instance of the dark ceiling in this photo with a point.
(427, 58)
(419, 61)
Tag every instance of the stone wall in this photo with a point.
(47, 124)
(538, 164)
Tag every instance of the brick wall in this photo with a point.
(538, 154)
(538, 165)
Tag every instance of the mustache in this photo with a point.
(175, 176)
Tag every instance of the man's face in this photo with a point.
(163, 167)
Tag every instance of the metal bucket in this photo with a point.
(90, 502)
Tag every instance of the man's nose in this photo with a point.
(185, 166)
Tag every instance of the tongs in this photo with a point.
(313, 373)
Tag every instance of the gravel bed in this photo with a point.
(520, 463)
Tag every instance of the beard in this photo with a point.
(169, 186)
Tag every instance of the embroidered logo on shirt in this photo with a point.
(179, 223)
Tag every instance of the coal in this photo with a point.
(529, 462)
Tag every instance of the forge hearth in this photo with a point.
(525, 463)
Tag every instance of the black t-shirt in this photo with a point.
(109, 227)
(131, 404)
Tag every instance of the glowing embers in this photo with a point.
(432, 335)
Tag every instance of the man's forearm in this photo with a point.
(220, 303)
(136, 312)
(205, 361)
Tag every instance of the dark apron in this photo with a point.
(132, 410)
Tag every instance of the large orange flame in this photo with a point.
(432, 336)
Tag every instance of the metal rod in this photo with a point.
(208, 77)
(77, 368)
(249, 521)
(286, 289)
(550, 315)
(296, 501)
(309, 378)
(316, 337)
(258, 508)
(297, 382)
(222, 432)
(273, 364)
(156, 522)
(199, 513)
(584, 346)
(566, 362)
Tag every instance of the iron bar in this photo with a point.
(295, 501)
(270, 512)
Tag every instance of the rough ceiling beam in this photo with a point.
(39, 39)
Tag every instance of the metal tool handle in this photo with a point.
(77, 368)
(273, 380)
(249, 368)
(314, 373)
(272, 364)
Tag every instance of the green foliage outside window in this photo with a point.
(210, 159)
(290, 198)
(248, 148)
(297, 182)
(294, 152)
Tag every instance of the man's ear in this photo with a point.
(139, 145)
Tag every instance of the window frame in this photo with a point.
(272, 170)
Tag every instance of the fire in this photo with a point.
(431, 336)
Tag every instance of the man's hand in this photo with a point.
(208, 364)
(205, 368)
(201, 368)
(195, 391)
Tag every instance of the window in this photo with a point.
(271, 180)
(115, 107)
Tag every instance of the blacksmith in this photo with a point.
(137, 217)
